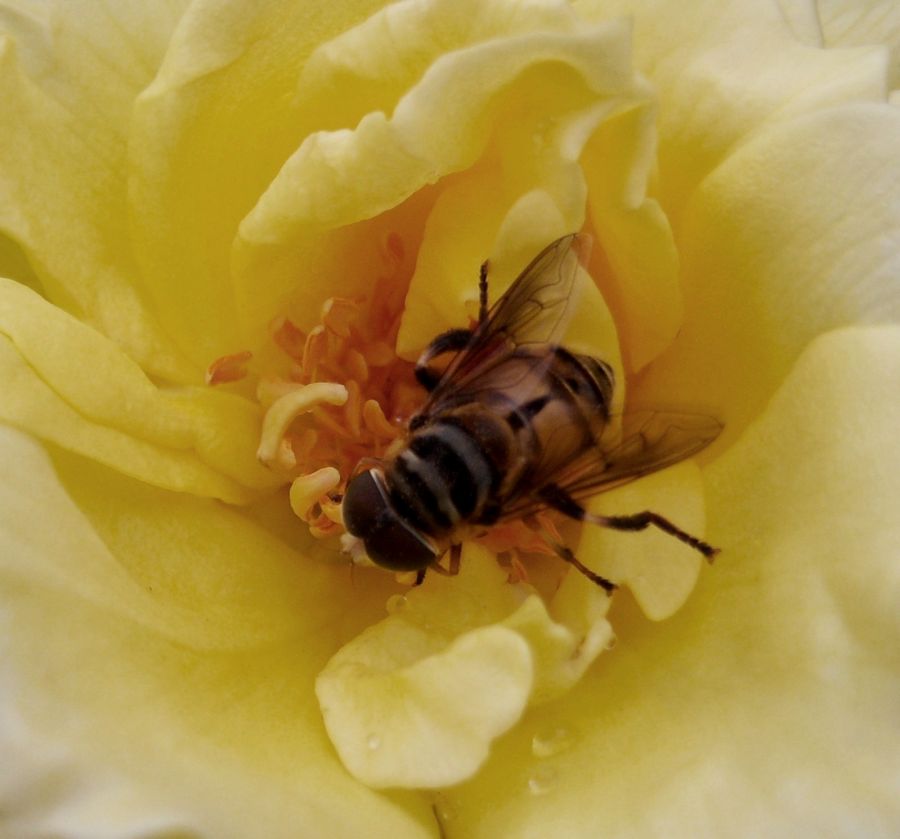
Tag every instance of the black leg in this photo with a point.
(455, 556)
(483, 292)
(453, 569)
(646, 518)
(564, 553)
(420, 577)
(560, 500)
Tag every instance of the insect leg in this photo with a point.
(452, 340)
(483, 292)
(420, 577)
(453, 570)
(642, 520)
(455, 556)
(560, 500)
(565, 553)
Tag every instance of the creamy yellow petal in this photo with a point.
(14, 264)
(67, 383)
(69, 73)
(146, 631)
(797, 233)
(767, 706)
(417, 699)
(419, 727)
(207, 137)
(505, 116)
(802, 18)
(724, 70)
(635, 263)
(848, 23)
(655, 567)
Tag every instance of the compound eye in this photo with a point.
(390, 542)
(363, 505)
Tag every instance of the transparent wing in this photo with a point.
(650, 441)
(535, 310)
(537, 306)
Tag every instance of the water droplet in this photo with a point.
(397, 603)
(552, 741)
(373, 742)
(542, 781)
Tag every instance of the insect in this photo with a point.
(516, 424)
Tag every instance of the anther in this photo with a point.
(228, 368)
(308, 489)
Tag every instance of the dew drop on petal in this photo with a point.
(396, 603)
(542, 780)
(552, 741)
(373, 742)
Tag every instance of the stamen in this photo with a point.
(228, 368)
(313, 351)
(332, 510)
(285, 459)
(308, 489)
(269, 391)
(380, 354)
(518, 573)
(303, 443)
(337, 313)
(290, 339)
(357, 368)
(290, 406)
(376, 421)
(353, 409)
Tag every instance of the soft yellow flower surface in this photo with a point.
(178, 655)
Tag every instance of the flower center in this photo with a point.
(342, 399)
(346, 395)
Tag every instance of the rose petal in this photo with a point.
(636, 263)
(497, 98)
(725, 70)
(417, 699)
(68, 77)
(145, 630)
(656, 568)
(220, 104)
(69, 384)
(770, 261)
(848, 23)
(769, 702)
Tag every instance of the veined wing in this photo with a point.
(535, 310)
(650, 441)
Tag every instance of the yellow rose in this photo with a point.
(176, 178)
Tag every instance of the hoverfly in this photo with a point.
(516, 424)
